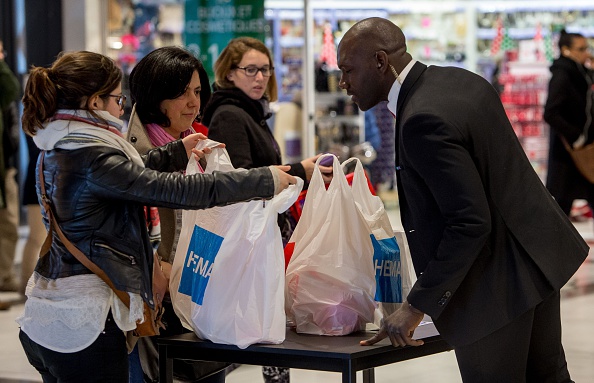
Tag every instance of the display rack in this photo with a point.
(436, 34)
(446, 32)
(524, 96)
(339, 123)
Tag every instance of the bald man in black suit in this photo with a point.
(490, 246)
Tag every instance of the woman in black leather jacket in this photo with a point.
(98, 185)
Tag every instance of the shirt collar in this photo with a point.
(395, 90)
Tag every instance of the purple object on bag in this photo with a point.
(327, 161)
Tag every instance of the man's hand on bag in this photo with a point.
(399, 327)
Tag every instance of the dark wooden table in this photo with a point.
(311, 352)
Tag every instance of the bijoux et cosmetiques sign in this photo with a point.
(210, 24)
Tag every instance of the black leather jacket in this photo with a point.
(98, 197)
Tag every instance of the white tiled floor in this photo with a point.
(578, 334)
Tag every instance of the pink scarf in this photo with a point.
(159, 137)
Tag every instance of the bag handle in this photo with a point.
(217, 159)
(360, 182)
(337, 182)
(79, 255)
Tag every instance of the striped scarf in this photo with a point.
(76, 129)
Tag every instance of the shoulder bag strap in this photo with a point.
(79, 255)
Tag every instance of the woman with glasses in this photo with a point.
(169, 88)
(97, 186)
(236, 116)
(569, 111)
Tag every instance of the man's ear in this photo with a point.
(381, 60)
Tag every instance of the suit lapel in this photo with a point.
(411, 79)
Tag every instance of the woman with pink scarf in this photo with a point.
(168, 87)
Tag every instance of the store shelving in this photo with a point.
(436, 34)
(446, 32)
(523, 96)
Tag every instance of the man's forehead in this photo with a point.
(346, 49)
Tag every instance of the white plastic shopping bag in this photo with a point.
(227, 279)
(394, 272)
(330, 282)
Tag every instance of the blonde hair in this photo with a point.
(72, 80)
(231, 57)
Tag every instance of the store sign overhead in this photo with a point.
(210, 24)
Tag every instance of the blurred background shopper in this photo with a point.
(569, 111)
(9, 191)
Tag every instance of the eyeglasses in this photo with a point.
(120, 99)
(252, 70)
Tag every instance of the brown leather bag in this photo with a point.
(583, 158)
(151, 322)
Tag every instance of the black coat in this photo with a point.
(569, 106)
(487, 239)
(240, 122)
(237, 120)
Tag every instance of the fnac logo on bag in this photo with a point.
(198, 263)
(388, 271)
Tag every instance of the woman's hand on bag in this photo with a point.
(284, 179)
(190, 143)
(309, 165)
(399, 327)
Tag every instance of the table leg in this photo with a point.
(349, 374)
(165, 366)
(369, 375)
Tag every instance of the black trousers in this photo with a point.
(105, 360)
(527, 350)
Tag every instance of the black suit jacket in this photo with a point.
(488, 241)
